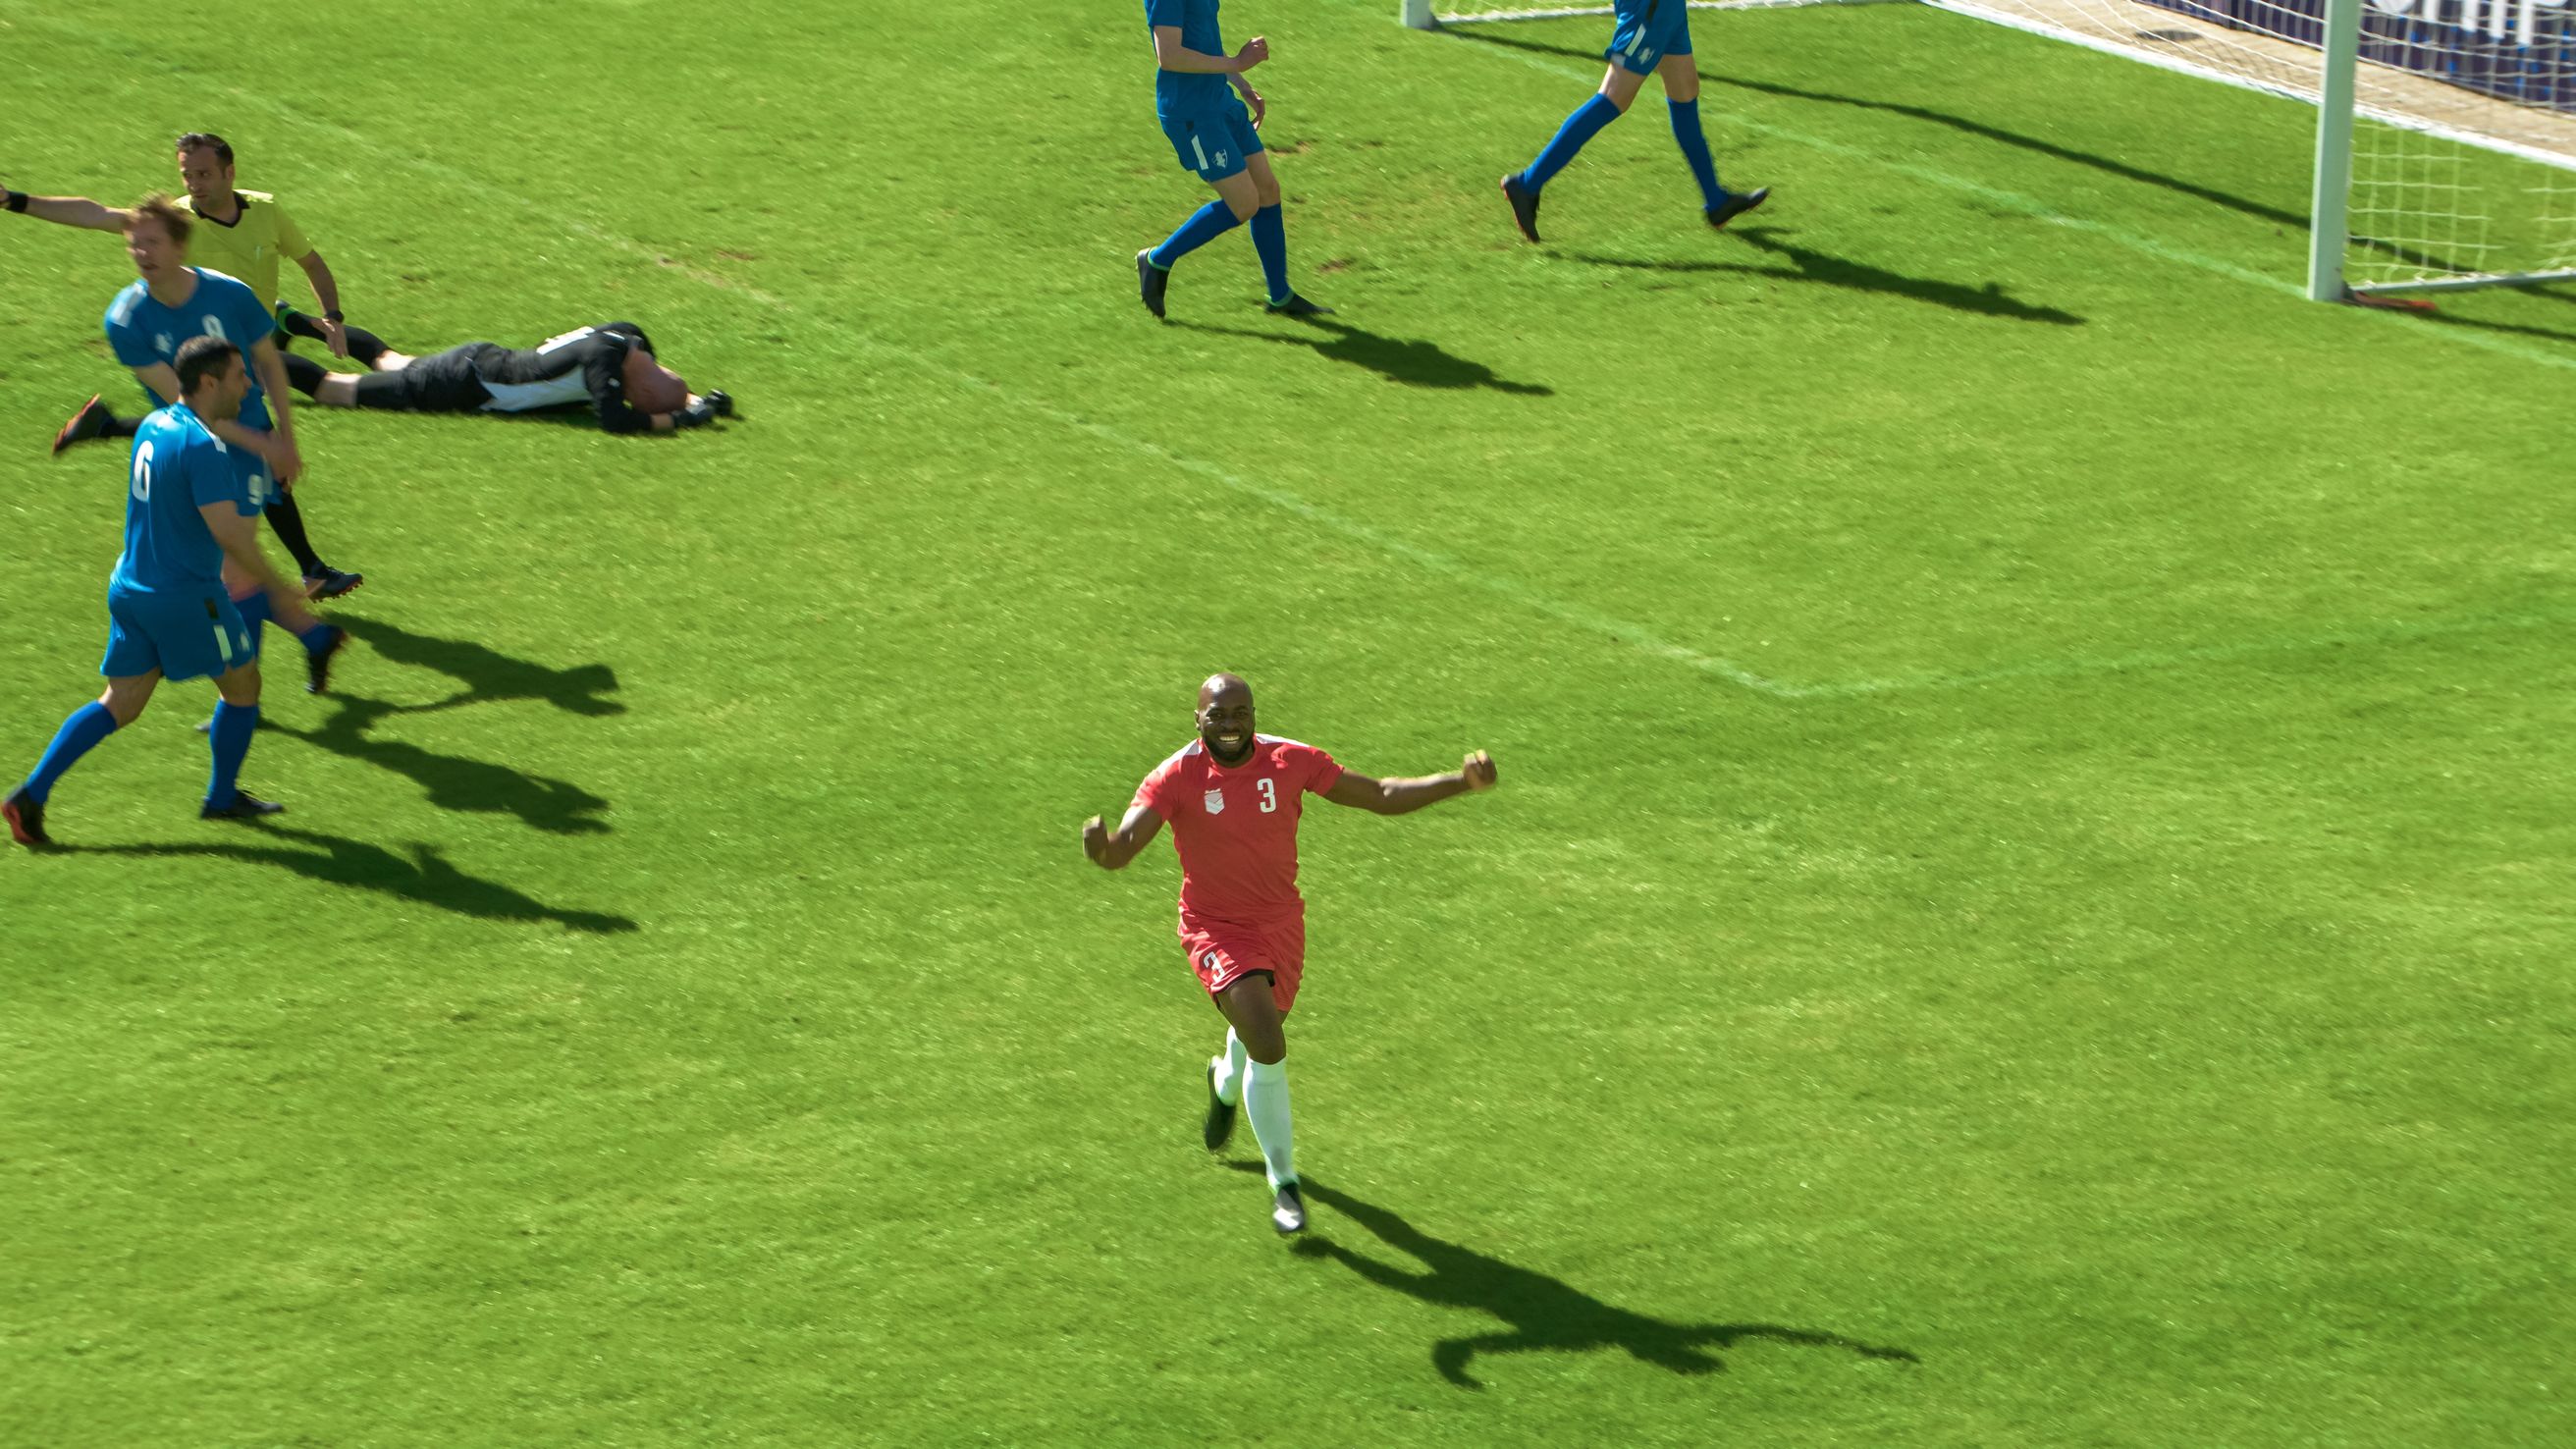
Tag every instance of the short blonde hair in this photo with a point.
(162, 209)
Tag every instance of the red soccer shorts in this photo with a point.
(1223, 953)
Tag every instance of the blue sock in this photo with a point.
(87, 726)
(1205, 225)
(1270, 240)
(1582, 126)
(318, 638)
(1694, 144)
(231, 741)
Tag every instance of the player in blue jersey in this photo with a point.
(157, 232)
(1652, 38)
(169, 614)
(172, 302)
(1216, 133)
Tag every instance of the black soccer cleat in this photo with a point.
(1297, 306)
(1735, 205)
(317, 662)
(245, 806)
(1151, 282)
(1288, 1210)
(1524, 205)
(327, 582)
(722, 402)
(91, 422)
(1220, 1117)
(26, 819)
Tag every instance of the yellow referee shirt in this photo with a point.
(250, 247)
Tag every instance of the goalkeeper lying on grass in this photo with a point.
(611, 369)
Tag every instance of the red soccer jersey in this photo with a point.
(1236, 829)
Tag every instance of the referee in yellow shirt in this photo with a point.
(241, 234)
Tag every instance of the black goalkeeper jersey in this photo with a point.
(586, 367)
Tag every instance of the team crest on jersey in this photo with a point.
(1216, 802)
(162, 341)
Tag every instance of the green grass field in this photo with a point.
(2029, 903)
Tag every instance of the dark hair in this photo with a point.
(208, 141)
(201, 358)
(165, 211)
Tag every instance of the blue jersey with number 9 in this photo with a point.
(141, 330)
(177, 468)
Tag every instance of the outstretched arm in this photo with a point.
(77, 211)
(1396, 797)
(1112, 849)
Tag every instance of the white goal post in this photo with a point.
(2446, 129)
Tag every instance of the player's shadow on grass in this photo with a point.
(1828, 270)
(424, 876)
(1416, 364)
(1540, 1313)
(488, 676)
(454, 782)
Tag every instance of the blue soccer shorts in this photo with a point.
(185, 636)
(1648, 31)
(1214, 142)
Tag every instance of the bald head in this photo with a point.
(1225, 718)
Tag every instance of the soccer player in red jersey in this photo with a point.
(1233, 797)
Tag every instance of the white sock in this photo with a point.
(1265, 1100)
(1229, 1070)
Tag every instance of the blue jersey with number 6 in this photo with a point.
(178, 467)
(141, 330)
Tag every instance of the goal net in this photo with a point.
(2446, 137)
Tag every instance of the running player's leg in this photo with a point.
(1633, 54)
(1679, 72)
(286, 520)
(1270, 234)
(92, 421)
(1252, 1010)
(81, 731)
(321, 641)
(1205, 145)
(236, 722)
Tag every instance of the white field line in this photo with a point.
(1636, 636)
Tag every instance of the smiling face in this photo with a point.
(1225, 718)
(208, 177)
